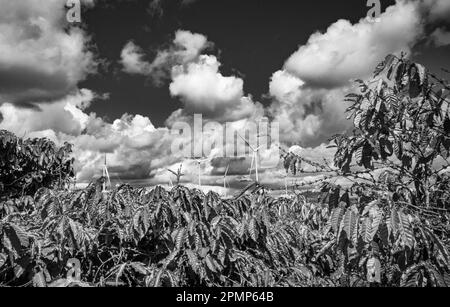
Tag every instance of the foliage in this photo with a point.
(27, 165)
(136, 237)
(402, 120)
(388, 229)
(395, 215)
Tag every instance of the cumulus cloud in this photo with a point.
(132, 60)
(188, 46)
(203, 89)
(133, 145)
(40, 59)
(65, 115)
(347, 51)
(195, 78)
(185, 48)
(135, 148)
(41, 63)
(285, 87)
(309, 91)
(306, 115)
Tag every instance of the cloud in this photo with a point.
(135, 148)
(203, 89)
(133, 145)
(132, 60)
(63, 116)
(212, 174)
(285, 87)
(195, 78)
(42, 63)
(440, 37)
(347, 51)
(40, 59)
(188, 45)
(189, 169)
(309, 90)
(436, 10)
(185, 48)
(306, 115)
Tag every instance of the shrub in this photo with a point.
(27, 165)
(389, 229)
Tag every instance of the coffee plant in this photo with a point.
(27, 165)
(395, 222)
(388, 228)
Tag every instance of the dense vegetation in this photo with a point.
(390, 228)
(27, 165)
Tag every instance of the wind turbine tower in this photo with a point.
(105, 175)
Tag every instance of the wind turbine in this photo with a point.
(105, 175)
(286, 184)
(74, 187)
(199, 162)
(178, 173)
(225, 179)
(254, 157)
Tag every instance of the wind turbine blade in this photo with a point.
(226, 170)
(256, 166)
(251, 165)
(246, 142)
(107, 176)
(172, 172)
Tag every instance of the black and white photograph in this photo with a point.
(224, 149)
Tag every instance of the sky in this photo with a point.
(118, 81)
